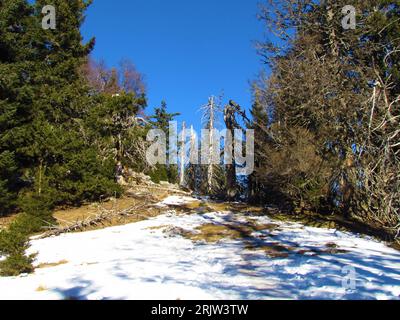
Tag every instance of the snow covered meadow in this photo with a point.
(153, 259)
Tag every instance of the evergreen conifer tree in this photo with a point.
(161, 120)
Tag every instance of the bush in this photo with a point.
(16, 264)
(13, 244)
(15, 240)
(159, 173)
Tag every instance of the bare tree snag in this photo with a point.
(182, 156)
(231, 125)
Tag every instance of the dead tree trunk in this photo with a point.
(192, 172)
(210, 169)
(182, 156)
(231, 125)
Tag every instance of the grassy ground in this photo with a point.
(136, 196)
(214, 233)
(144, 195)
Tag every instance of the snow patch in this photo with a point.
(140, 261)
(177, 201)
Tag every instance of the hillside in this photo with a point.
(191, 251)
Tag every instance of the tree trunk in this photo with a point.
(231, 183)
(182, 156)
(210, 171)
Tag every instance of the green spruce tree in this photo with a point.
(161, 120)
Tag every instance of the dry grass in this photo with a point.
(124, 220)
(234, 207)
(89, 263)
(159, 227)
(135, 197)
(68, 216)
(71, 215)
(213, 233)
(51, 265)
(255, 226)
(202, 207)
(6, 221)
(41, 289)
(190, 207)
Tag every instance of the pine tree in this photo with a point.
(161, 120)
(46, 156)
(59, 158)
(17, 60)
(112, 122)
(256, 188)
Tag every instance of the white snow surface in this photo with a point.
(176, 201)
(144, 261)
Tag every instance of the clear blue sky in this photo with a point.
(187, 49)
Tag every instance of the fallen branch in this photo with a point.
(100, 219)
(167, 189)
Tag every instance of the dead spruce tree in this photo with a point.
(230, 168)
(212, 174)
(193, 171)
(182, 156)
